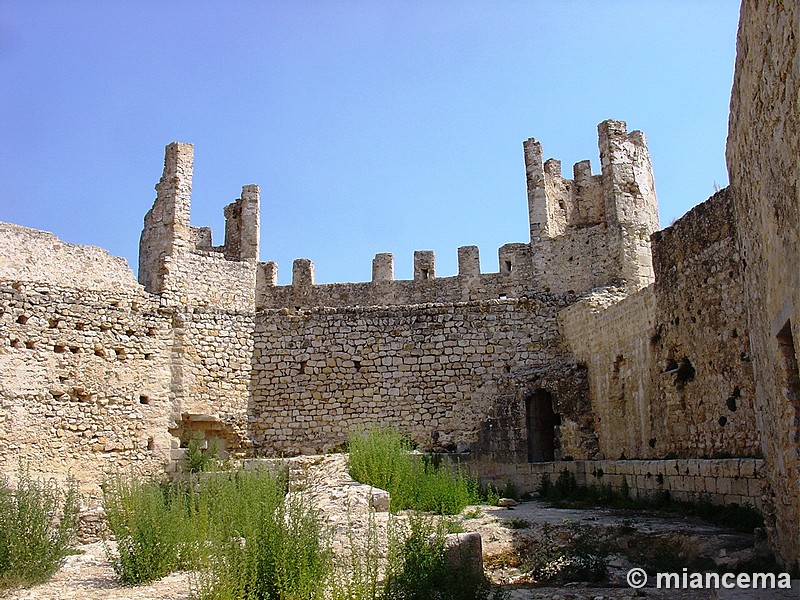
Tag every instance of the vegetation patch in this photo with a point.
(38, 521)
(383, 458)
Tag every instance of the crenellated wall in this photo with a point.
(602, 338)
(593, 230)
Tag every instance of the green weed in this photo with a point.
(382, 458)
(38, 521)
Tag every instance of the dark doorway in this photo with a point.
(541, 422)
(788, 363)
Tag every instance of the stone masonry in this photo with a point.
(664, 358)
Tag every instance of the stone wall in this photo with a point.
(86, 381)
(609, 332)
(674, 358)
(430, 370)
(39, 256)
(764, 165)
(736, 481)
(702, 370)
(208, 280)
(212, 353)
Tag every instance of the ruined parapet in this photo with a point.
(593, 230)
(424, 265)
(630, 198)
(242, 225)
(179, 261)
(166, 225)
(383, 267)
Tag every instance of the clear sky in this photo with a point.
(371, 126)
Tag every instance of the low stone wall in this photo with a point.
(721, 481)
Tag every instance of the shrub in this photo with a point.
(238, 529)
(382, 458)
(279, 552)
(573, 552)
(37, 525)
(150, 521)
(199, 459)
(420, 570)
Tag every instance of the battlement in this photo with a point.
(593, 229)
(586, 232)
(512, 280)
(623, 193)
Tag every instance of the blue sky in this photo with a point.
(370, 126)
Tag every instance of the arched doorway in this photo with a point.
(540, 422)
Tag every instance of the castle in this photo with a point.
(661, 358)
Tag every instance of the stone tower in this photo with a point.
(593, 230)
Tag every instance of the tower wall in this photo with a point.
(593, 230)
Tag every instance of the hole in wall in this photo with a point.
(22, 319)
(30, 344)
(99, 352)
(15, 343)
(74, 349)
(509, 266)
(503, 296)
(144, 399)
(148, 356)
(151, 444)
(59, 349)
(731, 401)
(652, 442)
(53, 323)
(120, 353)
(424, 273)
(670, 365)
(723, 420)
(129, 332)
(302, 366)
(357, 365)
(685, 374)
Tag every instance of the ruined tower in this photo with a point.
(179, 261)
(592, 230)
